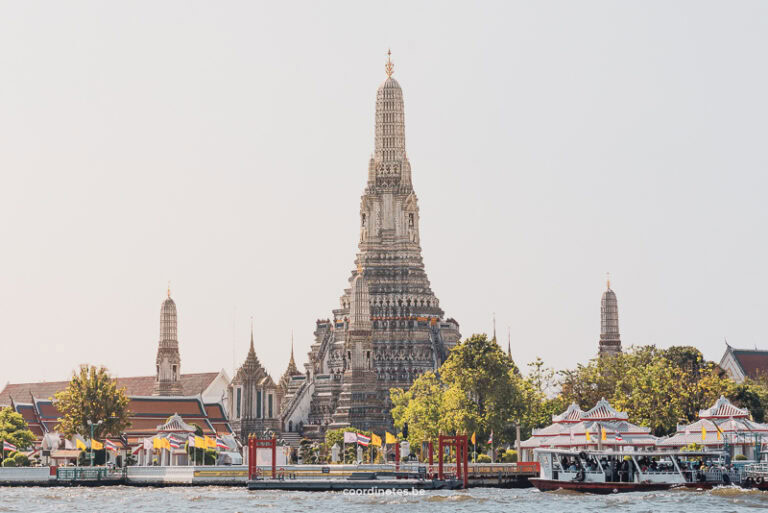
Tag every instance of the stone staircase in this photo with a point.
(292, 439)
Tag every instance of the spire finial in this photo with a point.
(389, 67)
(252, 349)
(169, 288)
(608, 280)
(494, 326)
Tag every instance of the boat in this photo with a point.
(604, 472)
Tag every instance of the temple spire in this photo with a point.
(252, 350)
(610, 340)
(389, 67)
(168, 360)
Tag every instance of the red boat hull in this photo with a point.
(548, 485)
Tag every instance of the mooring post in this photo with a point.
(440, 457)
(274, 458)
(466, 461)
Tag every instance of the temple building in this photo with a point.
(254, 399)
(723, 426)
(197, 399)
(741, 364)
(168, 362)
(610, 341)
(389, 328)
(602, 427)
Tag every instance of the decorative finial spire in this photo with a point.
(389, 67)
(608, 280)
(252, 349)
(292, 362)
(169, 288)
(494, 326)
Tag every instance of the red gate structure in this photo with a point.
(254, 444)
(462, 456)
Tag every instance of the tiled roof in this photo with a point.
(164, 406)
(723, 408)
(753, 362)
(191, 384)
(176, 424)
(572, 414)
(214, 411)
(604, 411)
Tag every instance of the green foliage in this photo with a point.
(22, 460)
(92, 395)
(509, 456)
(15, 459)
(14, 429)
(479, 390)
(483, 458)
(657, 388)
(739, 457)
(336, 436)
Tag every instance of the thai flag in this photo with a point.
(220, 443)
(490, 440)
(110, 445)
(174, 443)
(8, 446)
(363, 440)
(619, 438)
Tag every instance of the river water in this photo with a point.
(231, 500)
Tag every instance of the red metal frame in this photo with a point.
(462, 456)
(254, 444)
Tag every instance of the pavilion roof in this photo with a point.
(572, 414)
(175, 424)
(604, 411)
(723, 408)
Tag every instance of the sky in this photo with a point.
(224, 146)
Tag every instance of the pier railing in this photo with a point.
(89, 473)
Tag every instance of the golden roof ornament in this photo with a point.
(389, 67)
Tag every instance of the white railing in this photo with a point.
(25, 474)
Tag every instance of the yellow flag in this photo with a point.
(718, 434)
(211, 442)
(703, 433)
(166, 444)
(156, 443)
(390, 438)
(96, 445)
(200, 442)
(603, 434)
(375, 440)
(586, 432)
(80, 445)
(474, 438)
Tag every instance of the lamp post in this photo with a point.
(92, 424)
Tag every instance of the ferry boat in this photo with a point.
(605, 472)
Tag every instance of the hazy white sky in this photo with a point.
(224, 146)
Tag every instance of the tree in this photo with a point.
(92, 395)
(421, 407)
(478, 390)
(336, 436)
(657, 388)
(14, 429)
